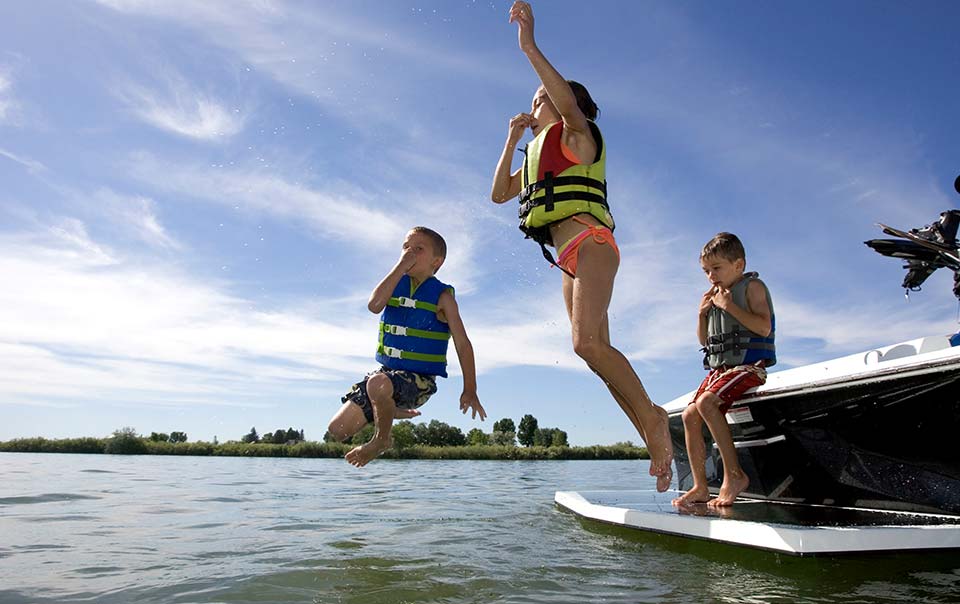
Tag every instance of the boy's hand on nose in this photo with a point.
(407, 259)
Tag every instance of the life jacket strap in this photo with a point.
(550, 181)
(404, 302)
(397, 353)
(400, 330)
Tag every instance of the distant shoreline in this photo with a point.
(311, 449)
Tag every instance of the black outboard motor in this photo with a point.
(925, 249)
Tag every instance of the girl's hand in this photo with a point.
(522, 14)
(518, 125)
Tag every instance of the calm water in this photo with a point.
(98, 528)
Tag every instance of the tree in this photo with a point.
(439, 434)
(477, 437)
(251, 437)
(528, 428)
(125, 441)
(280, 436)
(178, 437)
(504, 425)
(559, 438)
(503, 438)
(403, 435)
(293, 435)
(159, 437)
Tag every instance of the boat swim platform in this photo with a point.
(796, 529)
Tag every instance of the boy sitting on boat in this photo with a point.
(420, 315)
(736, 329)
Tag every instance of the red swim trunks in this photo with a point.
(729, 383)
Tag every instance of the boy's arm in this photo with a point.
(451, 313)
(706, 303)
(382, 292)
(756, 317)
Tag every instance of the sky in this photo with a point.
(199, 197)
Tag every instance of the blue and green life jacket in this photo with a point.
(729, 342)
(412, 338)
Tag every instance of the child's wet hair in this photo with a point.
(726, 246)
(584, 100)
(439, 245)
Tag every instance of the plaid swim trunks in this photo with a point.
(729, 383)
(410, 390)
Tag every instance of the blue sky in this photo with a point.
(198, 197)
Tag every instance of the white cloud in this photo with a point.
(30, 164)
(83, 324)
(137, 215)
(182, 109)
(342, 215)
(355, 66)
(9, 106)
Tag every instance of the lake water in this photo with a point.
(100, 528)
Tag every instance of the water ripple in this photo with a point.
(45, 498)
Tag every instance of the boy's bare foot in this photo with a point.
(731, 487)
(365, 453)
(661, 450)
(694, 495)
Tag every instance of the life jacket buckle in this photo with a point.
(407, 302)
(392, 352)
(396, 330)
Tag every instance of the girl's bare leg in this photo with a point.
(587, 297)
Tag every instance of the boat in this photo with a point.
(871, 430)
(844, 456)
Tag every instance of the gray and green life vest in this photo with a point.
(412, 337)
(729, 342)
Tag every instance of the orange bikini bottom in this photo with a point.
(570, 251)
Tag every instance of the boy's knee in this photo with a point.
(708, 401)
(691, 415)
(336, 431)
(379, 387)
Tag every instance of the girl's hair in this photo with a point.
(584, 100)
(726, 246)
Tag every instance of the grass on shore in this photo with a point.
(316, 449)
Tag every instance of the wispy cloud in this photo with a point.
(326, 212)
(30, 164)
(137, 215)
(182, 110)
(105, 327)
(9, 105)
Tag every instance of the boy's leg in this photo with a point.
(380, 392)
(589, 296)
(697, 455)
(734, 479)
(348, 421)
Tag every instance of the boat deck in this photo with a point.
(790, 528)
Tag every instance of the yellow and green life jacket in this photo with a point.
(554, 187)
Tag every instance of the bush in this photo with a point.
(125, 441)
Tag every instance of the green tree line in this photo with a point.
(433, 440)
